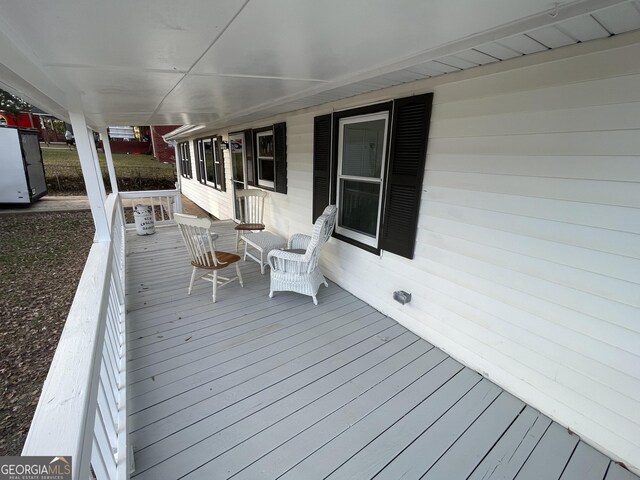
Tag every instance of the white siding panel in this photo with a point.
(586, 119)
(581, 259)
(612, 168)
(603, 216)
(627, 142)
(599, 239)
(528, 251)
(616, 90)
(588, 191)
(219, 204)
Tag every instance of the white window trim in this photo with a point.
(206, 167)
(261, 182)
(357, 236)
(185, 158)
(217, 161)
(201, 151)
(244, 158)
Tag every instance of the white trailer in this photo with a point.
(22, 178)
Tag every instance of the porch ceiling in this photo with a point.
(231, 61)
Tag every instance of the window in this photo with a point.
(370, 162)
(236, 145)
(185, 159)
(361, 158)
(210, 164)
(265, 159)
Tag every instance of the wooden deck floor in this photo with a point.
(259, 388)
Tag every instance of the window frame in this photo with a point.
(215, 177)
(374, 109)
(359, 237)
(267, 184)
(279, 133)
(408, 137)
(184, 151)
(243, 161)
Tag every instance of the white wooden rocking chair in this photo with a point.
(250, 211)
(200, 242)
(299, 272)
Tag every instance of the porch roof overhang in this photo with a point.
(236, 61)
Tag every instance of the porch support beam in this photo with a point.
(96, 159)
(92, 175)
(106, 146)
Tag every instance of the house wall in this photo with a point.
(161, 149)
(527, 264)
(217, 203)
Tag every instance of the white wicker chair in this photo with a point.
(200, 242)
(299, 272)
(251, 211)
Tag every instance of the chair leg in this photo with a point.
(193, 277)
(237, 240)
(315, 300)
(215, 284)
(271, 294)
(239, 275)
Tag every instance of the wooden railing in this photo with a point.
(163, 202)
(82, 411)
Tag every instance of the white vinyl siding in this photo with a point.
(216, 202)
(527, 262)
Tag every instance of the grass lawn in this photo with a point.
(59, 161)
(134, 172)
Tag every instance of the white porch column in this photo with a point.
(106, 146)
(92, 176)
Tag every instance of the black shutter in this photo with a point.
(405, 173)
(220, 165)
(250, 167)
(321, 163)
(280, 156)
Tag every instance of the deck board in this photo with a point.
(551, 455)
(585, 464)
(253, 387)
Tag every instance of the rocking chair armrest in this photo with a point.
(299, 241)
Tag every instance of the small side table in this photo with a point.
(263, 242)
